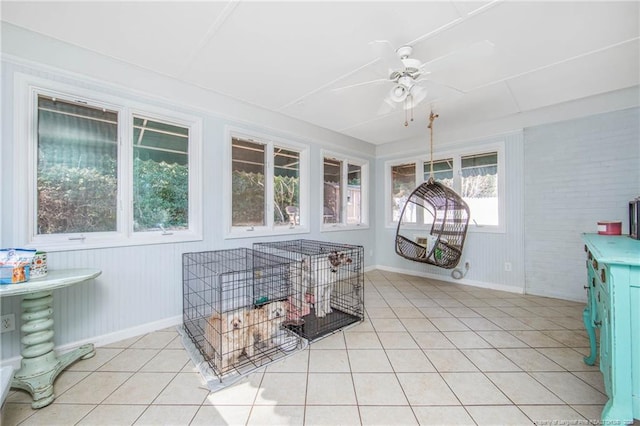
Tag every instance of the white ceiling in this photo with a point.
(505, 57)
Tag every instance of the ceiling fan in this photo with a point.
(406, 90)
(408, 77)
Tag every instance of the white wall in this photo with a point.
(577, 173)
(486, 252)
(141, 287)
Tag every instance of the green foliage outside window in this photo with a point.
(248, 198)
(161, 195)
(74, 199)
(83, 199)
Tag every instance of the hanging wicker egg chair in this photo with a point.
(450, 214)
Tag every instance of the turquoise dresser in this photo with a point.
(613, 306)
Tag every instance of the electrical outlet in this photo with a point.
(507, 266)
(7, 323)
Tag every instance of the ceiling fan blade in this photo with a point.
(476, 50)
(364, 83)
(386, 107)
(438, 91)
(418, 94)
(384, 50)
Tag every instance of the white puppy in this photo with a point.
(276, 315)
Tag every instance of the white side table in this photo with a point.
(40, 365)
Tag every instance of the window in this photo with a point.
(403, 182)
(479, 174)
(248, 194)
(77, 172)
(442, 171)
(266, 178)
(344, 192)
(333, 189)
(160, 176)
(474, 176)
(107, 172)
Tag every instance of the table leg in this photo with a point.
(586, 317)
(40, 366)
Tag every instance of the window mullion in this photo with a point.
(457, 173)
(268, 185)
(125, 173)
(344, 183)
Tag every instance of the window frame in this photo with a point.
(27, 89)
(456, 155)
(364, 192)
(270, 228)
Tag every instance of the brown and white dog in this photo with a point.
(322, 273)
(227, 335)
(240, 332)
(263, 324)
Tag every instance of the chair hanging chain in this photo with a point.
(432, 118)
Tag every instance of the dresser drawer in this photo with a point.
(613, 266)
(599, 271)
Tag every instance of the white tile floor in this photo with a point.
(429, 353)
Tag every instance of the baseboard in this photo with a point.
(447, 278)
(562, 296)
(107, 339)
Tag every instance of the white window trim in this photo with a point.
(456, 154)
(26, 90)
(364, 192)
(232, 232)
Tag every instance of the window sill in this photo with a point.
(89, 242)
(472, 229)
(246, 233)
(339, 227)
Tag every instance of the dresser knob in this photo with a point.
(603, 275)
(595, 264)
(586, 287)
(585, 248)
(597, 323)
(593, 282)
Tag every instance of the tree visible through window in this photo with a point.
(403, 182)
(332, 206)
(251, 204)
(87, 186)
(77, 184)
(160, 175)
(344, 192)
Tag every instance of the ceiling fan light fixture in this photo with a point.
(418, 93)
(406, 81)
(398, 93)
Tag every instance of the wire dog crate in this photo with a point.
(328, 285)
(234, 306)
